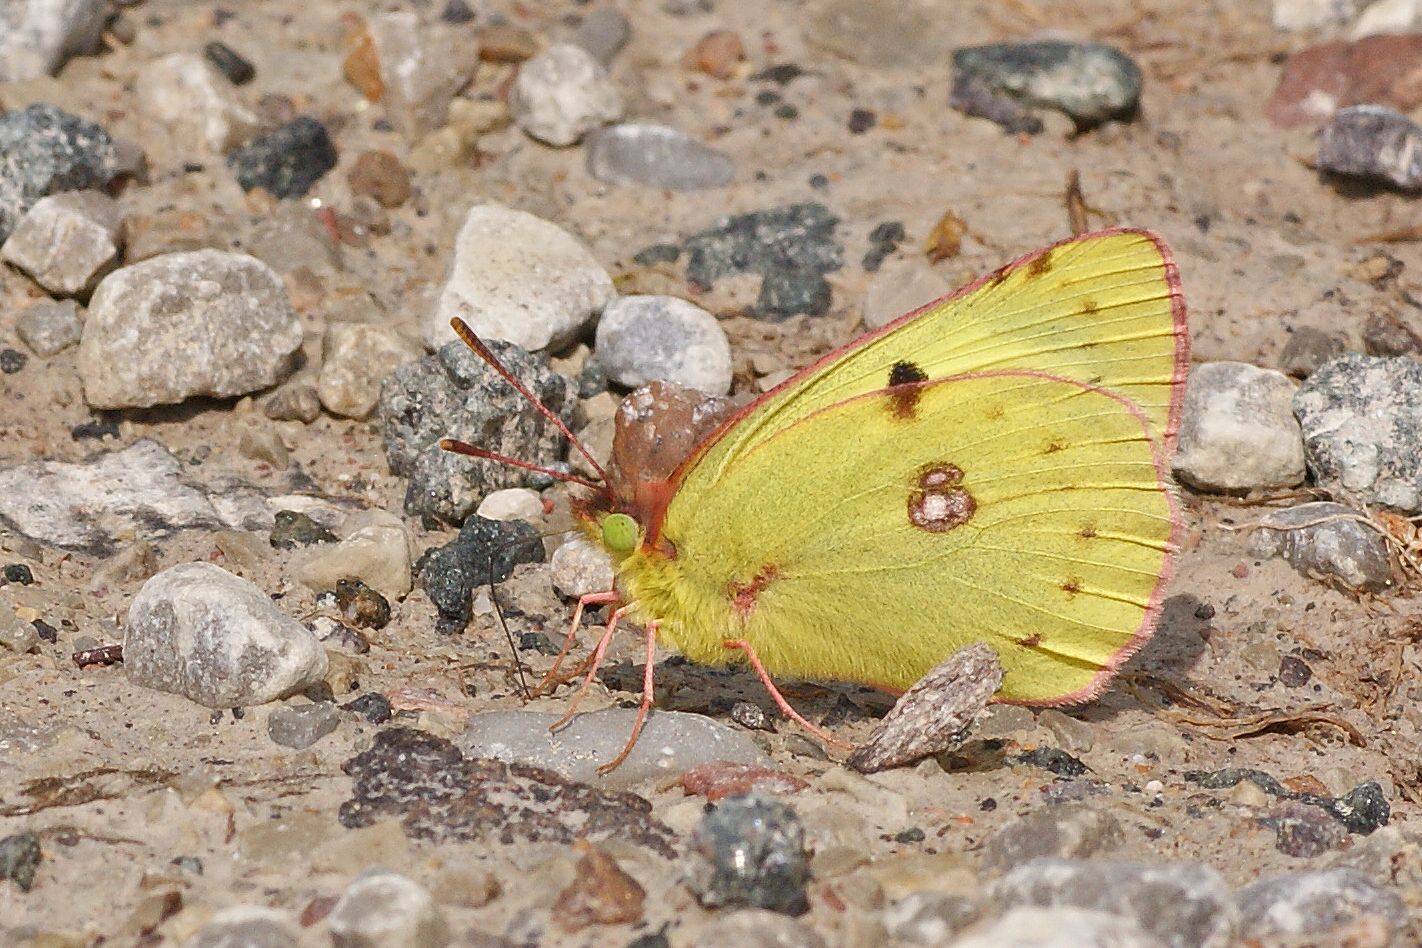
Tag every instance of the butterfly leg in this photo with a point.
(595, 661)
(779, 699)
(646, 700)
(551, 678)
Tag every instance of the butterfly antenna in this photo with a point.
(504, 624)
(459, 447)
(462, 330)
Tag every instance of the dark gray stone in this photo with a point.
(1326, 539)
(45, 150)
(1090, 82)
(1375, 143)
(750, 851)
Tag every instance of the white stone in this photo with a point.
(643, 339)
(512, 503)
(518, 277)
(422, 66)
(580, 567)
(37, 36)
(356, 358)
(1237, 429)
(1387, 16)
(199, 631)
(195, 103)
(562, 94)
(375, 549)
(201, 322)
(383, 909)
(1061, 927)
(1300, 16)
(67, 241)
(245, 926)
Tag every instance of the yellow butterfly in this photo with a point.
(991, 467)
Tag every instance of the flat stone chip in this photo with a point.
(438, 794)
(934, 715)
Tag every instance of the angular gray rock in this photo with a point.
(201, 322)
(68, 241)
(643, 339)
(1237, 430)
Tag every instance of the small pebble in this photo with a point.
(300, 726)
(375, 549)
(513, 503)
(602, 33)
(641, 339)
(517, 277)
(372, 706)
(790, 247)
(750, 851)
(505, 43)
(1064, 830)
(1307, 349)
(12, 361)
(286, 162)
(563, 93)
(601, 893)
(205, 322)
(50, 326)
(195, 104)
(67, 242)
(362, 606)
(1304, 831)
(199, 631)
(292, 529)
(1374, 143)
(261, 442)
(16, 635)
(1062, 927)
(421, 66)
(716, 54)
(379, 174)
(719, 779)
(355, 360)
(1361, 419)
(295, 401)
(1238, 431)
(486, 551)
(656, 156)
(860, 121)
(1318, 81)
(238, 70)
(1318, 906)
(47, 151)
(40, 37)
(1326, 539)
(383, 909)
(925, 919)
(580, 567)
(1090, 82)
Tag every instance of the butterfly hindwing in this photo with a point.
(872, 537)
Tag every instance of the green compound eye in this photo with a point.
(619, 533)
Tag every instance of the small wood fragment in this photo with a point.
(103, 655)
(934, 715)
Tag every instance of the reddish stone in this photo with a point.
(722, 778)
(1320, 80)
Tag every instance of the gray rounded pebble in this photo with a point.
(197, 630)
(580, 567)
(656, 156)
(1317, 905)
(355, 359)
(642, 339)
(49, 326)
(750, 851)
(670, 744)
(245, 926)
(382, 909)
(287, 161)
(300, 726)
(1326, 539)
(1375, 143)
(1184, 905)
(562, 94)
(603, 33)
(202, 322)
(1237, 430)
(1361, 419)
(1090, 82)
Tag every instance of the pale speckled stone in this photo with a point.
(356, 359)
(67, 242)
(383, 909)
(202, 322)
(580, 567)
(643, 339)
(37, 36)
(375, 549)
(194, 102)
(517, 277)
(562, 94)
(199, 631)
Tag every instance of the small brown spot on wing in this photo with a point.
(744, 595)
(1087, 532)
(1090, 307)
(1031, 641)
(938, 502)
(905, 389)
(1042, 265)
(1071, 587)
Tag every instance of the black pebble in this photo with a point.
(12, 361)
(229, 62)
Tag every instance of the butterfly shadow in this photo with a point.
(1159, 674)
